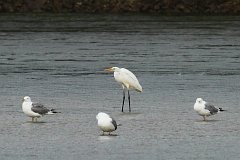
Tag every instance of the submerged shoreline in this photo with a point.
(167, 7)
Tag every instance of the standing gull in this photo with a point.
(128, 81)
(106, 123)
(35, 110)
(205, 109)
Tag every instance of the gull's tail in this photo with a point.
(52, 111)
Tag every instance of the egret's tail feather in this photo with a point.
(139, 89)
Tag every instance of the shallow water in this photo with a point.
(59, 60)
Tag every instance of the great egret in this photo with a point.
(106, 123)
(128, 81)
(35, 110)
(205, 109)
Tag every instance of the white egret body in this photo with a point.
(128, 81)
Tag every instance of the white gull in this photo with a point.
(35, 110)
(205, 109)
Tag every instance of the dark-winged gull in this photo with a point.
(205, 109)
(35, 110)
(106, 123)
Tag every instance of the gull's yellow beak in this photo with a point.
(108, 69)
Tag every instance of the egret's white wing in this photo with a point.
(128, 79)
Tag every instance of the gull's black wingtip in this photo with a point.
(220, 109)
(54, 111)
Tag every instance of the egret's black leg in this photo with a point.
(129, 101)
(123, 99)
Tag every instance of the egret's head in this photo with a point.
(199, 100)
(26, 99)
(101, 115)
(111, 69)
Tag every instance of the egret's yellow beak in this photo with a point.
(22, 99)
(108, 69)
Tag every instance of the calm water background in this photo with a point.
(58, 60)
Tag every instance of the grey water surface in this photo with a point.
(58, 60)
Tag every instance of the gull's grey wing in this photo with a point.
(39, 108)
(211, 108)
(114, 123)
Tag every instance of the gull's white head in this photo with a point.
(112, 69)
(102, 115)
(199, 100)
(27, 99)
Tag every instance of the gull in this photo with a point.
(106, 123)
(205, 109)
(35, 110)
